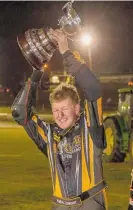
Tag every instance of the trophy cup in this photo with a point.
(38, 46)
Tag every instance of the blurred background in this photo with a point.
(110, 25)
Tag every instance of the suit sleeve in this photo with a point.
(90, 86)
(22, 112)
(37, 131)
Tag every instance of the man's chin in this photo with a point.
(63, 126)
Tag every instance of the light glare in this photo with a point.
(86, 39)
(55, 79)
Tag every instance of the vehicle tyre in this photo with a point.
(113, 137)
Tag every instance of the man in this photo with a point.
(130, 206)
(74, 143)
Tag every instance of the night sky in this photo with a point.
(110, 23)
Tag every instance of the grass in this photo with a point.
(5, 109)
(25, 182)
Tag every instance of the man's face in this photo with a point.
(65, 113)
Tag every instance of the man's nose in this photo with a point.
(60, 114)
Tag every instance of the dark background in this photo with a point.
(110, 23)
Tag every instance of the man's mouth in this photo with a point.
(63, 120)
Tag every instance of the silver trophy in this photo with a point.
(38, 45)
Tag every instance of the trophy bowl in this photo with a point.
(38, 45)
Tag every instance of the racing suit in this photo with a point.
(75, 154)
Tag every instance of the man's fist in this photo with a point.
(36, 76)
(61, 39)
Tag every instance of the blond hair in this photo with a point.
(64, 91)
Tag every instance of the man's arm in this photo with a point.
(90, 86)
(84, 78)
(22, 112)
(82, 74)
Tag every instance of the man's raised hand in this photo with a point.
(61, 39)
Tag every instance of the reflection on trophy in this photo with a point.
(38, 46)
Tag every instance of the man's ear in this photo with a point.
(77, 109)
